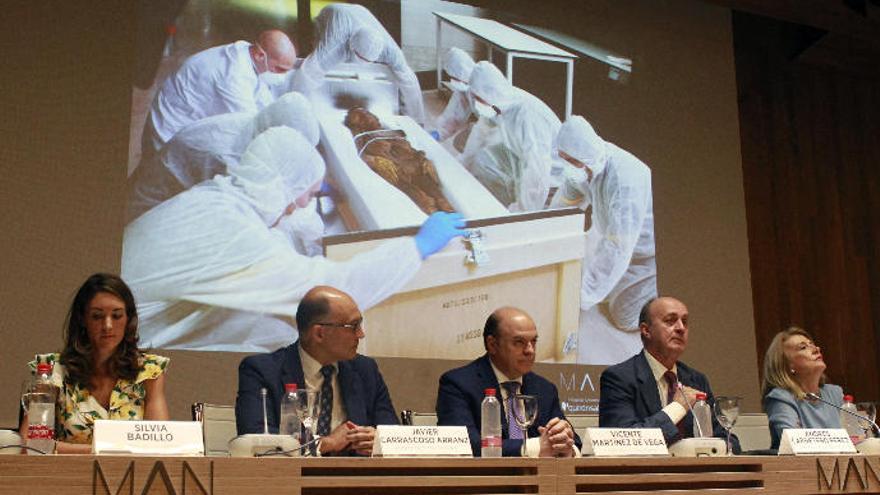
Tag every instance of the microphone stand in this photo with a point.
(816, 397)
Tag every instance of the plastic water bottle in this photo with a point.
(702, 417)
(289, 424)
(849, 422)
(490, 427)
(41, 412)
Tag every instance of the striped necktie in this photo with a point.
(513, 429)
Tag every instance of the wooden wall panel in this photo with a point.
(812, 183)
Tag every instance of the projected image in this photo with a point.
(283, 145)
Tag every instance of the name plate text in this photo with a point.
(421, 441)
(617, 442)
(797, 441)
(148, 437)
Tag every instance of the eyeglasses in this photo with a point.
(354, 327)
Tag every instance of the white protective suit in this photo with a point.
(219, 80)
(619, 266)
(338, 28)
(206, 148)
(514, 161)
(209, 273)
(456, 116)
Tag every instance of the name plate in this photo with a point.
(797, 441)
(421, 441)
(148, 437)
(619, 442)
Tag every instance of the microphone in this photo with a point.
(680, 388)
(265, 412)
(816, 397)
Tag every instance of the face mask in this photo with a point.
(485, 111)
(458, 86)
(576, 184)
(272, 79)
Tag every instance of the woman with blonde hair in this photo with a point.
(793, 368)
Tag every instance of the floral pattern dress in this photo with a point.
(76, 409)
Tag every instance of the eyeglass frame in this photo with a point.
(354, 327)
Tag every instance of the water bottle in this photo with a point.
(849, 422)
(289, 424)
(41, 412)
(490, 427)
(702, 417)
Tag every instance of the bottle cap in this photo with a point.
(848, 398)
(490, 392)
(701, 396)
(44, 369)
(290, 387)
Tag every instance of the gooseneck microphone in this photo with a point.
(816, 397)
(265, 412)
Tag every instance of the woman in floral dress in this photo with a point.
(101, 373)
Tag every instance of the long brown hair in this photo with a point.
(77, 354)
(777, 372)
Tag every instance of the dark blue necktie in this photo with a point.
(326, 400)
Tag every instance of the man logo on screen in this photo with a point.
(510, 339)
(219, 80)
(353, 395)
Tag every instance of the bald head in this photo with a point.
(273, 52)
(663, 324)
(330, 325)
(511, 338)
(316, 305)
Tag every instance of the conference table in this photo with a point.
(70, 474)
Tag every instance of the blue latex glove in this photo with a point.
(437, 231)
(435, 135)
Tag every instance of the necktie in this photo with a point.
(326, 400)
(671, 387)
(513, 429)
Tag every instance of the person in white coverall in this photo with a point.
(206, 148)
(510, 151)
(210, 272)
(222, 79)
(351, 33)
(619, 265)
(456, 116)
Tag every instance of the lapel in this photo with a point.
(291, 367)
(355, 406)
(647, 385)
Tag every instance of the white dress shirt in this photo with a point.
(314, 380)
(674, 410)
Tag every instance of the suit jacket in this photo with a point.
(629, 398)
(461, 394)
(363, 390)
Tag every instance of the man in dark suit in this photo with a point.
(325, 358)
(653, 389)
(509, 337)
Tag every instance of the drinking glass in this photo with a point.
(308, 407)
(726, 412)
(869, 411)
(525, 412)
